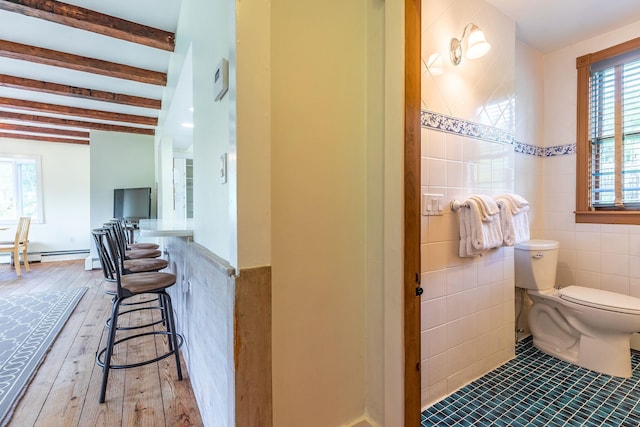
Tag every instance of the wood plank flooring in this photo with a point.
(64, 391)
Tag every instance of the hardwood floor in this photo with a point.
(64, 391)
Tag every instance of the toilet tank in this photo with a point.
(535, 264)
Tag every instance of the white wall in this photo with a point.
(592, 255)
(118, 160)
(467, 310)
(207, 28)
(530, 131)
(65, 188)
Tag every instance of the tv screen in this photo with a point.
(132, 203)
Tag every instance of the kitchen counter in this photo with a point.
(166, 228)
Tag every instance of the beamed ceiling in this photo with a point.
(69, 68)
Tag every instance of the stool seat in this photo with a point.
(142, 283)
(136, 246)
(144, 264)
(142, 253)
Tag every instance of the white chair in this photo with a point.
(19, 244)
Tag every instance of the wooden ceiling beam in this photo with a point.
(56, 58)
(43, 138)
(77, 92)
(89, 20)
(31, 118)
(21, 104)
(42, 130)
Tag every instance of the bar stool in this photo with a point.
(127, 286)
(109, 265)
(131, 253)
(129, 243)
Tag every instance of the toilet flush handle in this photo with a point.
(538, 255)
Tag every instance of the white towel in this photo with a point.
(466, 248)
(487, 206)
(513, 218)
(479, 226)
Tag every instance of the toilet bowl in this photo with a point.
(588, 327)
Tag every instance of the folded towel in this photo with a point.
(516, 203)
(480, 228)
(487, 206)
(513, 218)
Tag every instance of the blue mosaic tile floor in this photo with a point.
(535, 389)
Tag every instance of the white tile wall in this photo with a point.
(467, 310)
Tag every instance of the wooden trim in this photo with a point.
(583, 149)
(77, 92)
(43, 138)
(252, 348)
(608, 217)
(38, 129)
(582, 129)
(89, 20)
(412, 94)
(31, 118)
(616, 50)
(79, 112)
(55, 58)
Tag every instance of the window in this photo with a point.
(20, 193)
(608, 136)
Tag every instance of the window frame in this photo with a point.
(583, 150)
(40, 208)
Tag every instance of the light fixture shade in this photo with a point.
(477, 44)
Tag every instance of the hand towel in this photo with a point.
(513, 218)
(480, 227)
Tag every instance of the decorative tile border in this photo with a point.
(534, 150)
(448, 124)
(560, 150)
(460, 127)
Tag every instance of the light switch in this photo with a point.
(223, 168)
(432, 204)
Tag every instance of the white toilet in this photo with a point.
(588, 327)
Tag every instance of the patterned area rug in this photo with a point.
(29, 324)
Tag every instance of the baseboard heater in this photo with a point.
(55, 255)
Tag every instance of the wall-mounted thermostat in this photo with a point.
(221, 79)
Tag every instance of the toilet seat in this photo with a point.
(603, 300)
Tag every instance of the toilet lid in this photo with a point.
(601, 299)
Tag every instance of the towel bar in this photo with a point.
(456, 205)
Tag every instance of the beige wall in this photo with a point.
(316, 154)
(318, 211)
(467, 310)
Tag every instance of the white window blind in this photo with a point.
(614, 128)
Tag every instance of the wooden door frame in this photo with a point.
(411, 273)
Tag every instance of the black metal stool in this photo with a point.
(126, 286)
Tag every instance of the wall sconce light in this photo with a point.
(434, 64)
(477, 44)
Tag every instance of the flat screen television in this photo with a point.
(132, 204)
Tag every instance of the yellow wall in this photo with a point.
(318, 211)
(313, 126)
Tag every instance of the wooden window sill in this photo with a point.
(608, 217)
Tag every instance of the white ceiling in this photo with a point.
(549, 25)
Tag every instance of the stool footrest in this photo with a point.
(100, 355)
